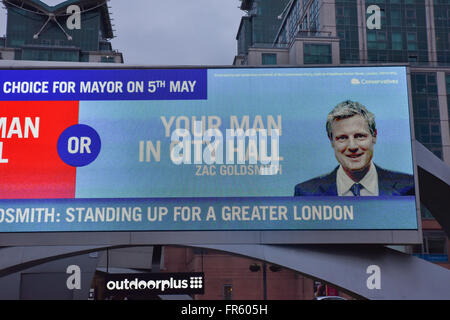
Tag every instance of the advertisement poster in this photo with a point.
(205, 149)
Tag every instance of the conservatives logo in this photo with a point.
(158, 283)
(355, 81)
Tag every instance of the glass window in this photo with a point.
(381, 36)
(447, 78)
(396, 18)
(269, 58)
(108, 59)
(431, 78)
(397, 46)
(227, 292)
(348, 12)
(371, 36)
(426, 111)
(397, 42)
(410, 13)
(412, 47)
(317, 53)
(436, 245)
(396, 14)
(348, 26)
(396, 36)
(412, 36)
(17, 43)
(435, 129)
(425, 213)
(433, 248)
(411, 22)
(105, 46)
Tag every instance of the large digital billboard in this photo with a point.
(206, 149)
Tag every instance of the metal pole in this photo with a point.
(264, 281)
(156, 258)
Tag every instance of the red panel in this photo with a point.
(34, 169)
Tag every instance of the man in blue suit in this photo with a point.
(352, 132)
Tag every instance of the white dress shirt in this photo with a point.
(369, 183)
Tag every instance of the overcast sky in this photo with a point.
(172, 32)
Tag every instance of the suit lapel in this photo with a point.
(328, 184)
(386, 185)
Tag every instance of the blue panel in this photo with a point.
(273, 213)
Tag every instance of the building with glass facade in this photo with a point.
(259, 26)
(74, 30)
(359, 32)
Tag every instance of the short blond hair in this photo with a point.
(347, 109)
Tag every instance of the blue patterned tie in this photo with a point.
(356, 188)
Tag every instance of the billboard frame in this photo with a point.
(360, 236)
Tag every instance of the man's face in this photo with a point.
(352, 143)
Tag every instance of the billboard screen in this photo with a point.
(206, 149)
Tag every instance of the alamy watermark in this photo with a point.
(236, 146)
(374, 280)
(374, 20)
(74, 280)
(74, 20)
